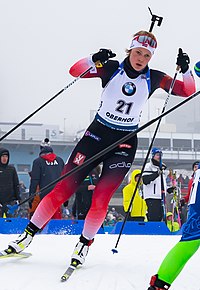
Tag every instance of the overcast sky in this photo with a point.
(41, 39)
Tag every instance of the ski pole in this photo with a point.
(176, 198)
(46, 103)
(146, 158)
(111, 147)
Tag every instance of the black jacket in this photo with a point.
(46, 168)
(9, 182)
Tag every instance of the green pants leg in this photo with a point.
(176, 259)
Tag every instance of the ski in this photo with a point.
(70, 270)
(8, 254)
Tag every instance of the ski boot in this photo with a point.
(81, 251)
(23, 240)
(157, 284)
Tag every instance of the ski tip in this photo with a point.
(64, 278)
(5, 254)
(9, 251)
(114, 251)
(68, 273)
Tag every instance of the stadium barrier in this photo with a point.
(74, 227)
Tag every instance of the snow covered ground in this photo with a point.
(137, 259)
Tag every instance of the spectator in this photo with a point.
(112, 217)
(46, 168)
(186, 181)
(83, 196)
(168, 198)
(172, 225)
(180, 180)
(110, 220)
(117, 216)
(184, 200)
(154, 186)
(173, 194)
(169, 177)
(139, 208)
(65, 212)
(194, 168)
(9, 184)
(24, 208)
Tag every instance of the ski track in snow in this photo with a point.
(138, 258)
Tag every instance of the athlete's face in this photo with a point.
(139, 58)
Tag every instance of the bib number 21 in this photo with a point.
(124, 107)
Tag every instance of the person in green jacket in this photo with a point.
(139, 207)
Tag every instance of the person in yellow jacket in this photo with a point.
(172, 225)
(139, 207)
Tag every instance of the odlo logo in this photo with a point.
(120, 165)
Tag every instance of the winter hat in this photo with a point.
(4, 151)
(45, 142)
(154, 151)
(45, 147)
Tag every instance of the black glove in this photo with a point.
(171, 189)
(183, 60)
(103, 55)
(164, 166)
